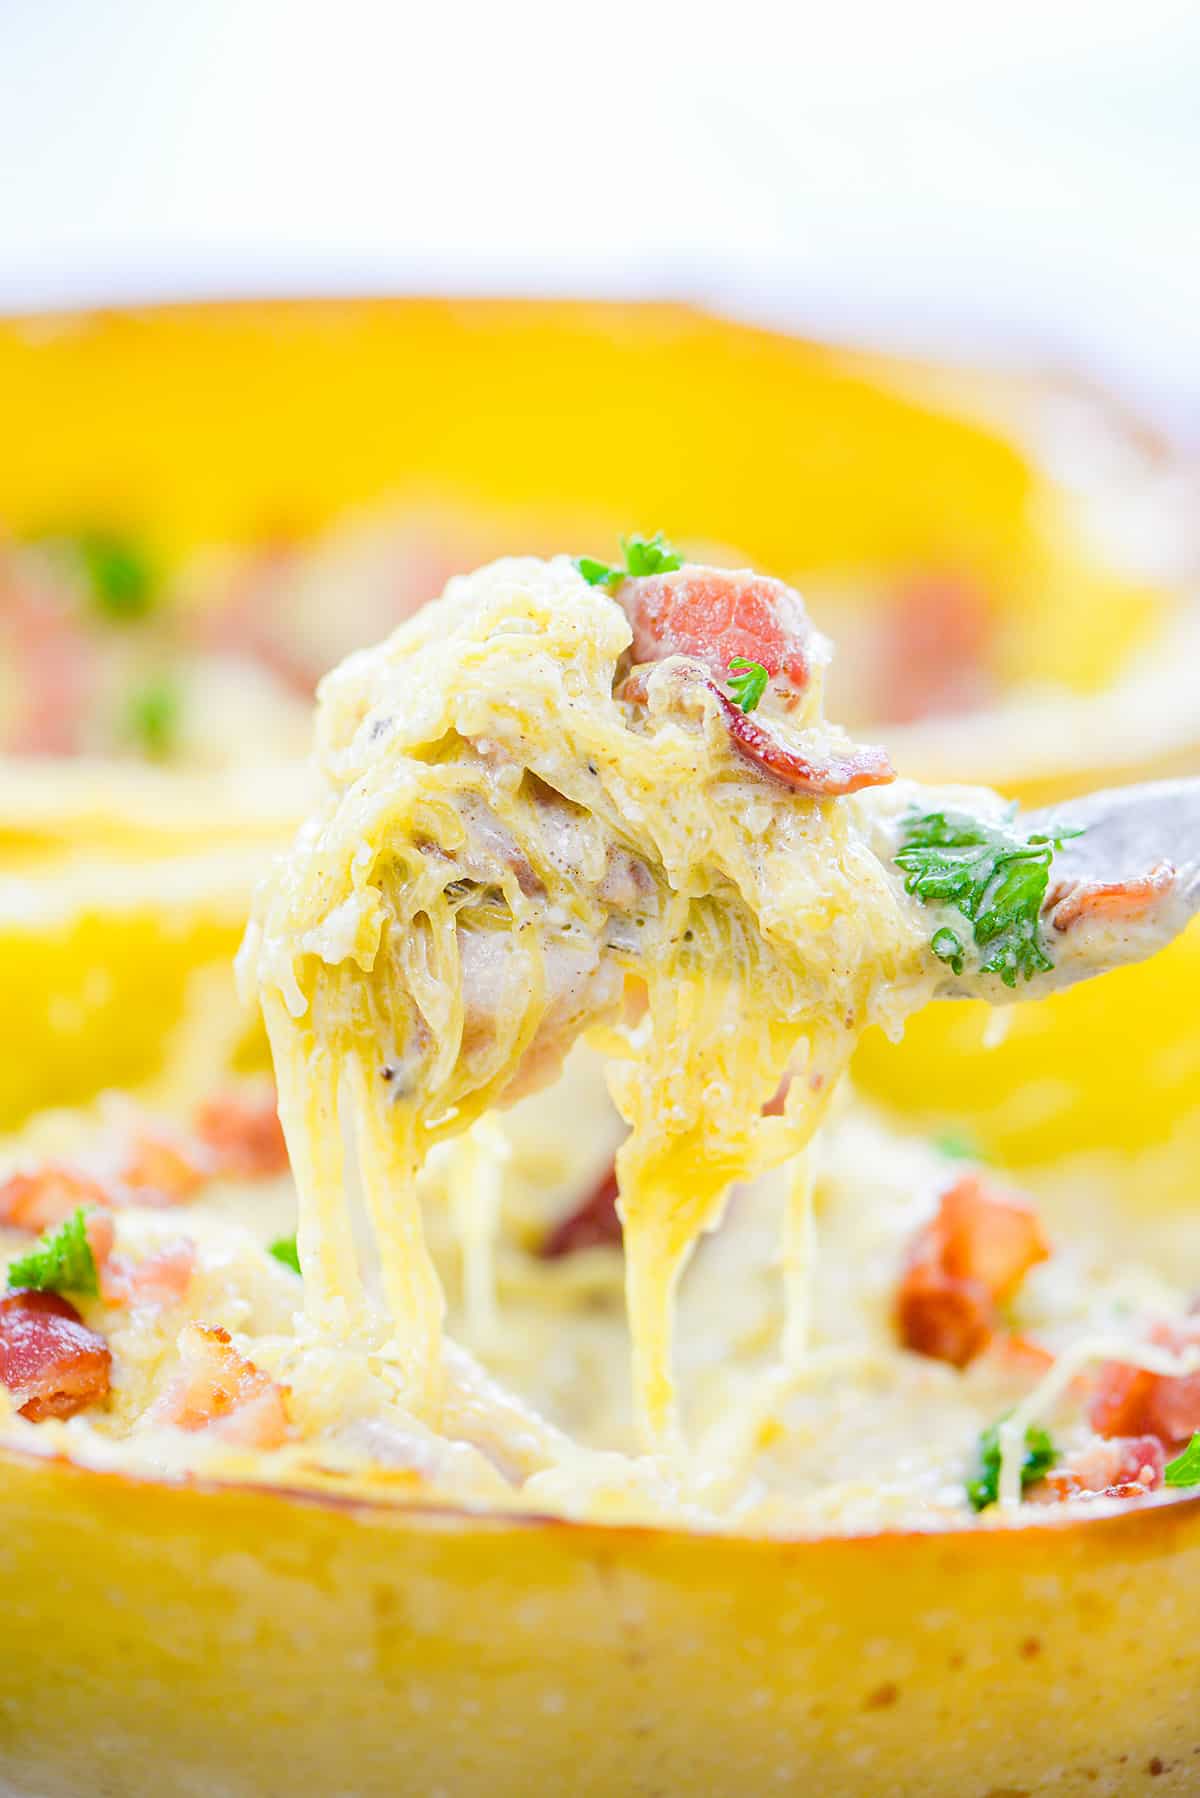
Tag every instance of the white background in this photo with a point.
(1026, 175)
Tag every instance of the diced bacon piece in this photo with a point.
(1020, 1355)
(243, 1135)
(1124, 1467)
(163, 1168)
(218, 1390)
(50, 1361)
(593, 1224)
(949, 1319)
(155, 1281)
(936, 650)
(860, 765)
(44, 1198)
(967, 1260)
(1111, 901)
(1130, 1401)
(1142, 1460)
(101, 1234)
(986, 1237)
(50, 654)
(714, 615)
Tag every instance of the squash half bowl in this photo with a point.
(200, 1639)
(192, 1639)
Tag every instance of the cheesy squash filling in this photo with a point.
(517, 844)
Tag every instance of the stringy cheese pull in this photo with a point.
(510, 851)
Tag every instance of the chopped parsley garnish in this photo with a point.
(285, 1250)
(958, 1145)
(153, 716)
(643, 555)
(748, 684)
(1184, 1470)
(650, 555)
(61, 1262)
(598, 574)
(119, 575)
(1040, 1456)
(996, 879)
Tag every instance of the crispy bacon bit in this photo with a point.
(1125, 1467)
(162, 1168)
(157, 1280)
(937, 639)
(1111, 901)
(50, 1361)
(101, 1233)
(45, 1198)
(714, 615)
(984, 1236)
(593, 1224)
(218, 1390)
(243, 1136)
(945, 1318)
(1020, 1355)
(1129, 1401)
(961, 1266)
(859, 766)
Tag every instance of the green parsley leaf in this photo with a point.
(285, 1250)
(153, 716)
(598, 574)
(119, 575)
(958, 1145)
(949, 948)
(650, 555)
(748, 686)
(61, 1262)
(643, 555)
(1184, 1470)
(994, 878)
(1040, 1456)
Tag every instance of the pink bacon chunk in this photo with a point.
(47, 1196)
(961, 1266)
(156, 1280)
(714, 615)
(50, 1361)
(219, 1390)
(1124, 1467)
(711, 617)
(1111, 901)
(243, 1136)
(162, 1168)
(1131, 1401)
